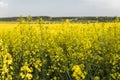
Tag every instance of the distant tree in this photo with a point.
(116, 19)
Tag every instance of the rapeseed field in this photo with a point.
(60, 51)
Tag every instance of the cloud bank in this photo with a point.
(60, 7)
(2, 4)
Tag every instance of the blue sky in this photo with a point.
(9, 8)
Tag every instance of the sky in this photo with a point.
(12, 8)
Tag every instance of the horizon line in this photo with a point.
(54, 16)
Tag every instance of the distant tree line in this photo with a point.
(74, 19)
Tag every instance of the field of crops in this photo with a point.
(60, 51)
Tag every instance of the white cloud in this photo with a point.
(2, 4)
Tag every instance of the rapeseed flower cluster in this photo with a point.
(5, 63)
